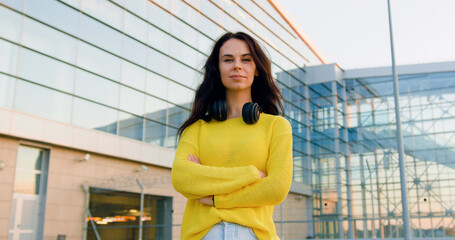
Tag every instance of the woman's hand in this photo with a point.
(262, 174)
(206, 200)
(194, 159)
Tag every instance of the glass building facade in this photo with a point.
(130, 69)
(356, 179)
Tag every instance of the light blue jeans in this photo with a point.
(229, 231)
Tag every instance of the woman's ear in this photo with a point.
(256, 73)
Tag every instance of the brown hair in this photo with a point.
(263, 91)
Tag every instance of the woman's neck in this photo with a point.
(235, 102)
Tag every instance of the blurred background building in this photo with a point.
(92, 93)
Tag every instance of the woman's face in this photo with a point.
(237, 68)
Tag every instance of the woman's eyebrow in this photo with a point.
(230, 55)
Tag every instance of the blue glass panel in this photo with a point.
(132, 101)
(155, 133)
(98, 61)
(96, 88)
(156, 85)
(94, 116)
(6, 91)
(16, 4)
(177, 115)
(8, 58)
(133, 75)
(10, 23)
(44, 70)
(49, 41)
(171, 139)
(100, 35)
(54, 14)
(135, 27)
(43, 102)
(130, 126)
(155, 109)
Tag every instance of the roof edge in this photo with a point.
(276, 4)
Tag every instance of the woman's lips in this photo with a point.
(237, 77)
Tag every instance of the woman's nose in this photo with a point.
(237, 65)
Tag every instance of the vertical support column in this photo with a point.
(309, 201)
(141, 208)
(337, 159)
(347, 166)
(404, 192)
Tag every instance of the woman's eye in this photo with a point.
(247, 60)
(228, 60)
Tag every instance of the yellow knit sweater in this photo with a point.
(230, 153)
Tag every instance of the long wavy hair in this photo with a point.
(263, 90)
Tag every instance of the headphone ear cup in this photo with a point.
(251, 113)
(219, 110)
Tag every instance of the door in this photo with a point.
(27, 215)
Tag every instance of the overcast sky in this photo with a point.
(355, 33)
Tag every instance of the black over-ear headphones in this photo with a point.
(250, 111)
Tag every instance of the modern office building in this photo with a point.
(356, 186)
(92, 93)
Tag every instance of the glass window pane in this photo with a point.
(8, 58)
(100, 35)
(130, 126)
(155, 133)
(16, 4)
(156, 85)
(157, 62)
(183, 74)
(49, 41)
(132, 101)
(28, 218)
(6, 91)
(177, 115)
(43, 102)
(133, 75)
(55, 14)
(171, 140)
(155, 109)
(96, 88)
(10, 23)
(29, 159)
(135, 27)
(48, 72)
(94, 116)
(98, 61)
(104, 11)
(26, 182)
(180, 95)
(158, 39)
(134, 51)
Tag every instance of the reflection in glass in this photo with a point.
(130, 126)
(180, 95)
(94, 116)
(55, 14)
(96, 88)
(49, 41)
(100, 35)
(43, 102)
(177, 115)
(6, 91)
(132, 101)
(171, 140)
(8, 58)
(10, 24)
(156, 85)
(116, 213)
(155, 133)
(46, 71)
(98, 61)
(155, 109)
(133, 75)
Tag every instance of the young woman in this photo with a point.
(233, 163)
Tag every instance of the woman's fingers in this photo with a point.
(193, 159)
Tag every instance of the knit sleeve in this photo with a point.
(273, 189)
(196, 181)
